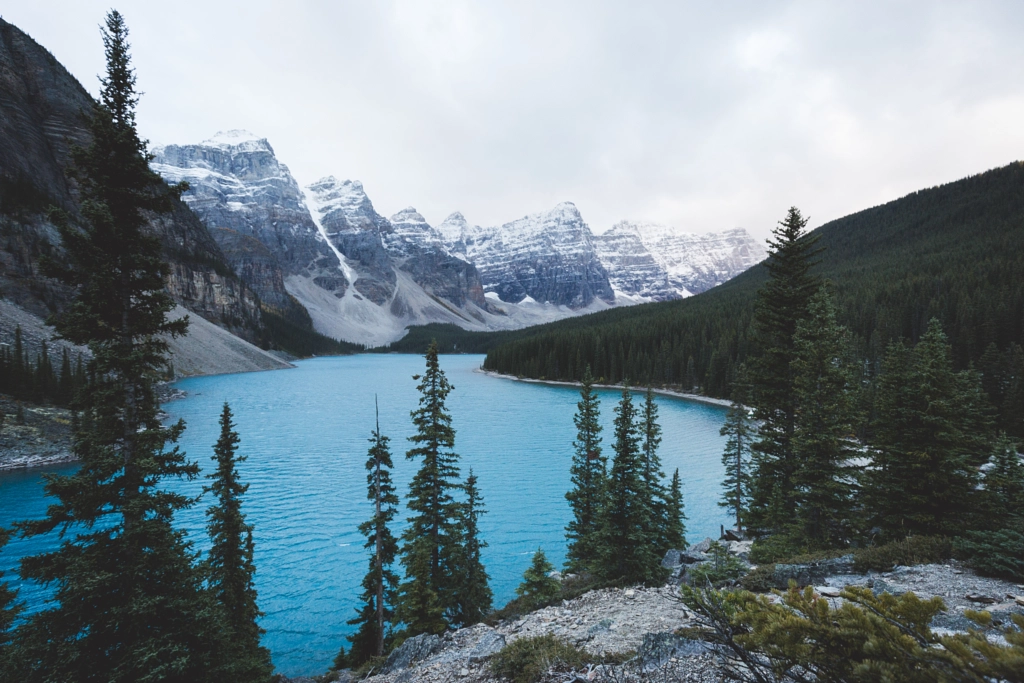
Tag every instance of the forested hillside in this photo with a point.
(954, 252)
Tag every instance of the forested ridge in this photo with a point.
(953, 252)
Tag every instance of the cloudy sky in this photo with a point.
(701, 117)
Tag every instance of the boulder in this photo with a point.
(488, 645)
(658, 648)
(412, 650)
(811, 573)
(700, 548)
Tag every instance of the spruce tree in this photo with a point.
(127, 603)
(431, 541)
(538, 587)
(929, 428)
(628, 548)
(657, 495)
(1004, 480)
(822, 440)
(375, 617)
(675, 526)
(588, 480)
(781, 304)
(472, 593)
(230, 562)
(740, 430)
(9, 610)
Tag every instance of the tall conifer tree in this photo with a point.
(127, 601)
(431, 542)
(675, 527)
(9, 610)
(657, 494)
(740, 430)
(628, 548)
(781, 304)
(380, 583)
(1004, 480)
(472, 593)
(230, 562)
(825, 419)
(588, 474)
(929, 429)
(538, 587)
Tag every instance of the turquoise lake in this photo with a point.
(305, 433)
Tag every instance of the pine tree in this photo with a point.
(929, 428)
(230, 562)
(657, 495)
(1004, 480)
(9, 610)
(127, 603)
(781, 304)
(380, 583)
(740, 430)
(473, 594)
(628, 548)
(538, 587)
(430, 543)
(822, 440)
(588, 479)
(675, 527)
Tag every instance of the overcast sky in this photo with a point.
(704, 116)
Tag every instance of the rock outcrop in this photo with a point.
(43, 113)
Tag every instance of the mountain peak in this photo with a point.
(241, 140)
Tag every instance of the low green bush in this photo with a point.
(527, 659)
(723, 566)
(993, 553)
(909, 551)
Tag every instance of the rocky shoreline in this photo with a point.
(44, 438)
(643, 625)
(562, 383)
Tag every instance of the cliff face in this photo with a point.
(254, 210)
(43, 113)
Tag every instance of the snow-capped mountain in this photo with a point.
(658, 262)
(252, 207)
(365, 278)
(549, 257)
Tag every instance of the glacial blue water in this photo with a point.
(305, 432)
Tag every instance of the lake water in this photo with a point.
(305, 433)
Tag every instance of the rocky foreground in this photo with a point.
(641, 625)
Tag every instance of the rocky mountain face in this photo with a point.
(43, 112)
(657, 262)
(253, 208)
(549, 257)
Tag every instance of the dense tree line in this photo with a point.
(954, 253)
(39, 381)
(820, 472)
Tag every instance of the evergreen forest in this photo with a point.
(954, 253)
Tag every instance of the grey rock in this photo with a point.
(412, 650)
(658, 648)
(488, 645)
(672, 559)
(701, 547)
(812, 573)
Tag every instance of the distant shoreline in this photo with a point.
(665, 392)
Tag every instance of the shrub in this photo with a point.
(866, 638)
(994, 553)
(723, 566)
(760, 580)
(527, 659)
(537, 587)
(910, 550)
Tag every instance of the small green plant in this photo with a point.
(538, 588)
(723, 566)
(527, 659)
(908, 551)
(994, 553)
